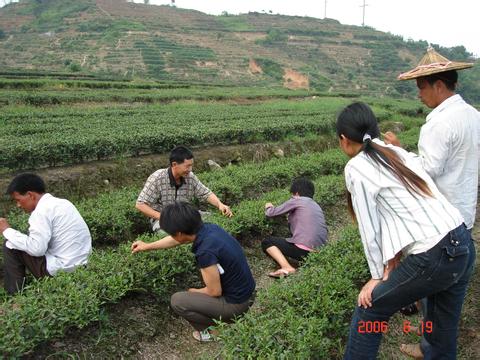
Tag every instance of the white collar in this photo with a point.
(447, 102)
(44, 198)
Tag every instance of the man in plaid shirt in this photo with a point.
(175, 183)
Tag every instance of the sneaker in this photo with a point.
(409, 309)
(202, 336)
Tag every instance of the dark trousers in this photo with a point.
(441, 275)
(201, 310)
(15, 262)
(287, 249)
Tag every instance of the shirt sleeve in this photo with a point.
(201, 191)
(206, 259)
(150, 193)
(39, 235)
(433, 149)
(363, 193)
(284, 208)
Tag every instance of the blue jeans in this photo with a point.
(440, 274)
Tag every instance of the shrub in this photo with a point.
(47, 307)
(306, 315)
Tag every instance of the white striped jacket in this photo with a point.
(392, 219)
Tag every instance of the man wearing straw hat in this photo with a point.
(448, 145)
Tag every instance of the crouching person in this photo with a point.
(307, 225)
(229, 284)
(58, 238)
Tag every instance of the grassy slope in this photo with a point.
(173, 44)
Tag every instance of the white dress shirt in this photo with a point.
(390, 218)
(449, 149)
(56, 230)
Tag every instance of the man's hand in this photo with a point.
(138, 246)
(390, 138)
(3, 225)
(268, 205)
(365, 296)
(225, 210)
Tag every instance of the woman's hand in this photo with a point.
(365, 296)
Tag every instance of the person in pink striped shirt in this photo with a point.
(307, 225)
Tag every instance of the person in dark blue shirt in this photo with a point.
(229, 284)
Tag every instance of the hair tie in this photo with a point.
(366, 137)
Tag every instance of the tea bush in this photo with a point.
(33, 138)
(47, 307)
(306, 315)
(112, 216)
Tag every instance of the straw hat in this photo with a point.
(432, 63)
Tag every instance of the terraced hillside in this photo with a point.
(121, 39)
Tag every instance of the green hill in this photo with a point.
(114, 38)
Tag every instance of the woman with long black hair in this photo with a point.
(415, 241)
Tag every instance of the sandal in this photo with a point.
(202, 336)
(280, 273)
(412, 350)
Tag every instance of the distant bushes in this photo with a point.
(76, 135)
(274, 36)
(315, 33)
(270, 68)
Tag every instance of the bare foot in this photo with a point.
(281, 273)
(412, 350)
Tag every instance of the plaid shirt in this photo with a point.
(161, 189)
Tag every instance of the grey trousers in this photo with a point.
(201, 310)
(15, 262)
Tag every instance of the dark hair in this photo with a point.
(303, 187)
(358, 120)
(26, 182)
(180, 217)
(180, 154)
(449, 78)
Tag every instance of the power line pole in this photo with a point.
(325, 10)
(363, 6)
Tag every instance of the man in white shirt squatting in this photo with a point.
(58, 237)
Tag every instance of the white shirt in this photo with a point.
(449, 150)
(390, 218)
(56, 230)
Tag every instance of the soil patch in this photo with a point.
(295, 80)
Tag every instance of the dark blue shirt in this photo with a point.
(213, 245)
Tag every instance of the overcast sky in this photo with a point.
(443, 22)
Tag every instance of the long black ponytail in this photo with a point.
(358, 123)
